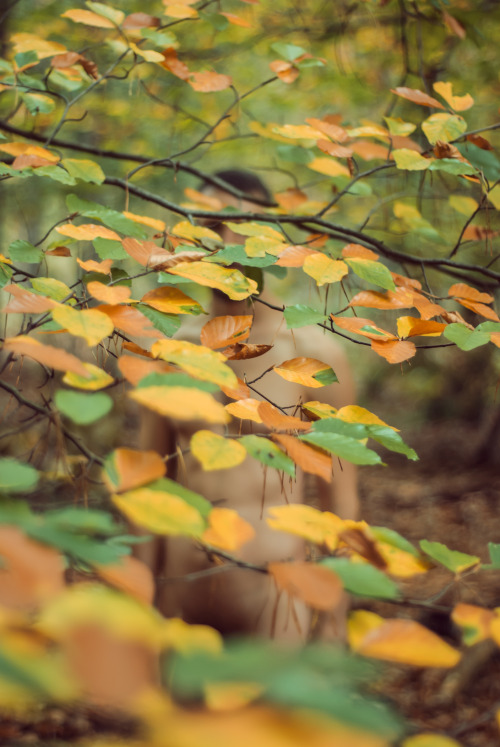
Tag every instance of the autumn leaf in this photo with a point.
(113, 295)
(227, 530)
(307, 372)
(216, 452)
(308, 458)
(417, 97)
(126, 469)
(208, 82)
(225, 330)
(319, 527)
(94, 379)
(25, 302)
(245, 409)
(323, 269)
(87, 232)
(274, 419)
(171, 301)
(231, 282)
(394, 351)
(183, 403)
(315, 585)
(160, 511)
(197, 360)
(131, 576)
(90, 324)
(130, 320)
(47, 355)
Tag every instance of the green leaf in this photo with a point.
(176, 379)
(84, 169)
(268, 453)
(168, 324)
(465, 338)
(391, 440)
(295, 154)
(360, 188)
(484, 160)
(494, 550)
(50, 287)
(452, 166)
(371, 271)
(26, 58)
(454, 560)
(161, 39)
(195, 500)
(217, 21)
(91, 521)
(300, 315)
(56, 173)
(37, 103)
(397, 126)
(17, 477)
(288, 52)
(393, 538)
(410, 160)
(362, 579)
(342, 446)
(83, 408)
(23, 251)
(444, 127)
(235, 253)
(6, 273)
(109, 249)
(112, 14)
(111, 218)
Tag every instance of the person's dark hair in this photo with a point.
(245, 181)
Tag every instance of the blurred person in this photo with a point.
(239, 600)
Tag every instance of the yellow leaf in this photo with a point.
(182, 403)
(25, 149)
(466, 205)
(224, 696)
(197, 360)
(406, 642)
(267, 131)
(186, 638)
(400, 563)
(245, 409)
(161, 512)
(323, 269)
(320, 409)
(126, 469)
(178, 10)
(258, 246)
(356, 414)
(231, 282)
(328, 166)
(430, 740)
(216, 452)
(227, 530)
(90, 324)
(306, 371)
(410, 160)
(98, 379)
(494, 197)
(360, 623)
(150, 55)
(171, 301)
(298, 132)
(474, 621)
(25, 42)
(145, 220)
(87, 232)
(186, 230)
(409, 326)
(114, 294)
(319, 527)
(91, 19)
(255, 229)
(458, 103)
(124, 616)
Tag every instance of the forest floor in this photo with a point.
(442, 498)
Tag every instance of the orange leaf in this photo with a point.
(358, 251)
(274, 419)
(308, 458)
(225, 330)
(480, 308)
(104, 267)
(333, 131)
(407, 642)
(131, 576)
(174, 65)
(357, 539)
(130, 321)
(417, 97)
(426, 308)
(30, 161)
(47, 355)
(227, 530)
(145, 220)
(143, 251)
(409, 326)
(18, 149)
(134, 468)
(89, 18)
(113, 295)
(454, 25)
(25, 302)
(475, 620)
(306, 371)
(394, 351)
(461, 290)
(140, 21)
(401, 298)
(240, 351)
(364, 327)
(87, 232)
(404, 282)
(316, 585)
(369, 151)
(478, 233)
(170, 300)
(135, 369)
(59, 251)
(208, 82)
(480, 141)
(31, 573)
(240, 392)
(291, 198)
(286, 71)
(294, 256)
(335, 150)
(236, 20)
(245, 409)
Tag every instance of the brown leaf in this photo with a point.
(225, 330)
(311, 460)
(25, 302)
(454, 25)
(140, 21)
(47, 355)
(91, 265)
(65, 60)
(294, 256)
(368, 151)
(417, 97)
(89, 67)
(242, 351)
(394, 351)
(208, 82)
(59, 251)
(143, 251)
(363, 545)
(316, 585)
(275, 420)
(455, 316)
(131, 576)
(478, 233)
(480, 141)
(356, 250)
(286, 71)
(335, 150)
(330, 129)
(398, 299)
(114, 294)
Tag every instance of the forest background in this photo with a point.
(374, 125)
